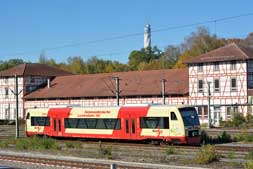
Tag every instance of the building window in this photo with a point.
(216, 66)
(205, 111)
(231, 110)
(250, 80)
(216, 85)
(200, 112)
(6, 80)
(7, 114)
(250, 66)
(6, 92)
(233, 65)
(233, 84)
(200, 67)
(200, 85)
(32, 79)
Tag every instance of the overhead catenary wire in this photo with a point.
(131, 35)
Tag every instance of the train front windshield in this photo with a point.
(190, 116)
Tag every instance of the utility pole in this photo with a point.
(16, 93)
(117, 89)
(209, 113)
(163, 90)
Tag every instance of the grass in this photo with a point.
(170, 150)
(231, 155)
(105, 151)
(248, 164)
(249, 156)
(206, 155)
(37, 143)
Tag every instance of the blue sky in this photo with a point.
(28, 27)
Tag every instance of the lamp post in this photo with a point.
(209, 113)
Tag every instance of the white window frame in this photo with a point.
(6, 92)
(216, 66)
(201, 90)
(233, 65)
(200, 67)
(233, 89)
(216, 89)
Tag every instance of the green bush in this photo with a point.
(249, 156)
(22, 144)
(69, 144)
(244, 136)
(170, 150)
(231, 155)
(238, 119)
(206, 155)
(105, 151)
(248, 164)
(36, 143)
(204, 138)
(224, 137)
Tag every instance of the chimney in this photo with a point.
(48, 83)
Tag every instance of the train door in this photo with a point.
(57, 127)
(130, 127)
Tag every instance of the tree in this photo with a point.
(143, 56)
(196, 44)
(76, 65)
(10, 63)
(170, 56)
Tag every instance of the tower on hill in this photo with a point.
(147, 36)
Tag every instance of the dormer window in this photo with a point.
(200, 67)
(216, 66)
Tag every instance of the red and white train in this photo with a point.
(174, 124)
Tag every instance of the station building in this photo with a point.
(30, 78)
(228, 70)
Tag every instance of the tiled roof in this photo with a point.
(33, 69)
(227, 53)
(135, 83)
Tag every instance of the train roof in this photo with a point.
(126, 105)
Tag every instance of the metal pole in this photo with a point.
(209, 113)
(113, 166)
(117, 89)
(16, 95)
(163, 90)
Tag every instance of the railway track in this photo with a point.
(60, 163)
(232, 132)
(219, 147)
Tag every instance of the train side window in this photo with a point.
(91, 123)
(149, 122)
(40, 121)
(165, 121)
(54, 124)
(71, 123)
(59, 124)
(127, 127)
(173, 116)
(28, 116)
(100, 124)
(112, 123)
(82, 124)
(133, 126)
